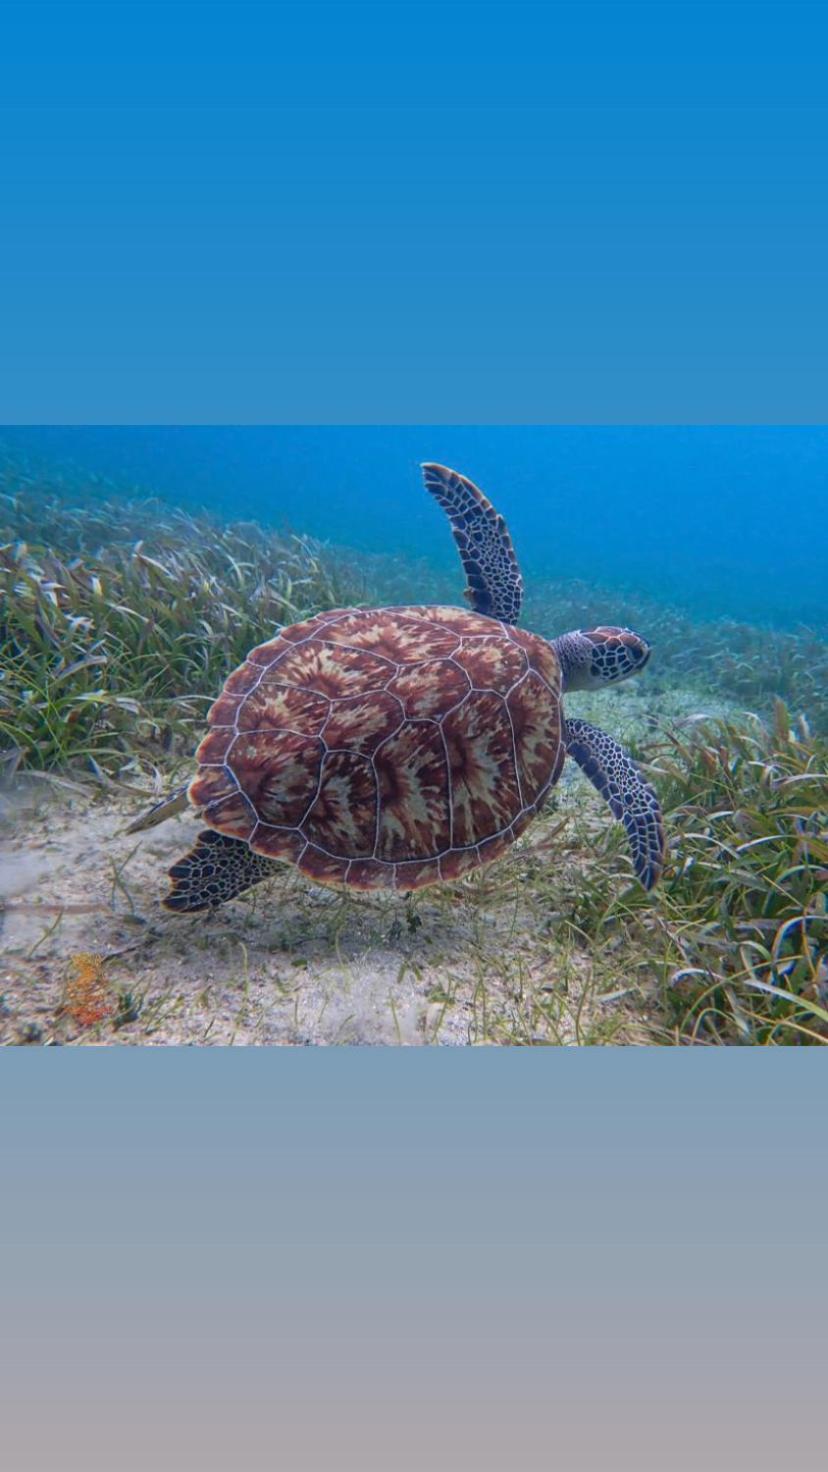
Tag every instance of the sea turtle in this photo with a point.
(389, 748)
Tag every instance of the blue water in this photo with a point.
(722, 522)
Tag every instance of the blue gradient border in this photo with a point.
(416, 212)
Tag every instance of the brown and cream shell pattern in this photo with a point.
(384, 748)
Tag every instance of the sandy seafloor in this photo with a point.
(483, 961)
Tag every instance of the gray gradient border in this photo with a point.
(393, 1259)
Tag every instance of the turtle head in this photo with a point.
(592, 658)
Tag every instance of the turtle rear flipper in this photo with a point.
(216, 869)
(631, 798)
(482, 536)
(174, 802)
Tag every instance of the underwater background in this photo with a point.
(138, 566)
(723, 522)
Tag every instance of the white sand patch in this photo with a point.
(496, 958)
(294, 964)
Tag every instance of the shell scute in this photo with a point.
(321, 867)
(414, 818)
(264, 655)
(457, 862)
(331, 670)
(274, 707)
(342, 820)
(279, 772)
(431, 688)
(541, 657)
(394, 635)
(310, 628)
(279, 843)
(233, 813)
(492, 663)
(535, 714)
(484, 785)
(361, 722)
(240, 682)
(224, 711)
(492, 848)
(413, 875)
(366, 874)
(210, 784)
(464, 622)
(215, 746)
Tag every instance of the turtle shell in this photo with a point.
(384, 748)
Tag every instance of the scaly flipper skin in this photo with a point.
(175, 802)
(495, 584)
(631, 798)
(215, 870)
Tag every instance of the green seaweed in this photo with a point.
(733, 947)
(119, 621)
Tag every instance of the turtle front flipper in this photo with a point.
(631, 798)
(216, 869)
(495, 585)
